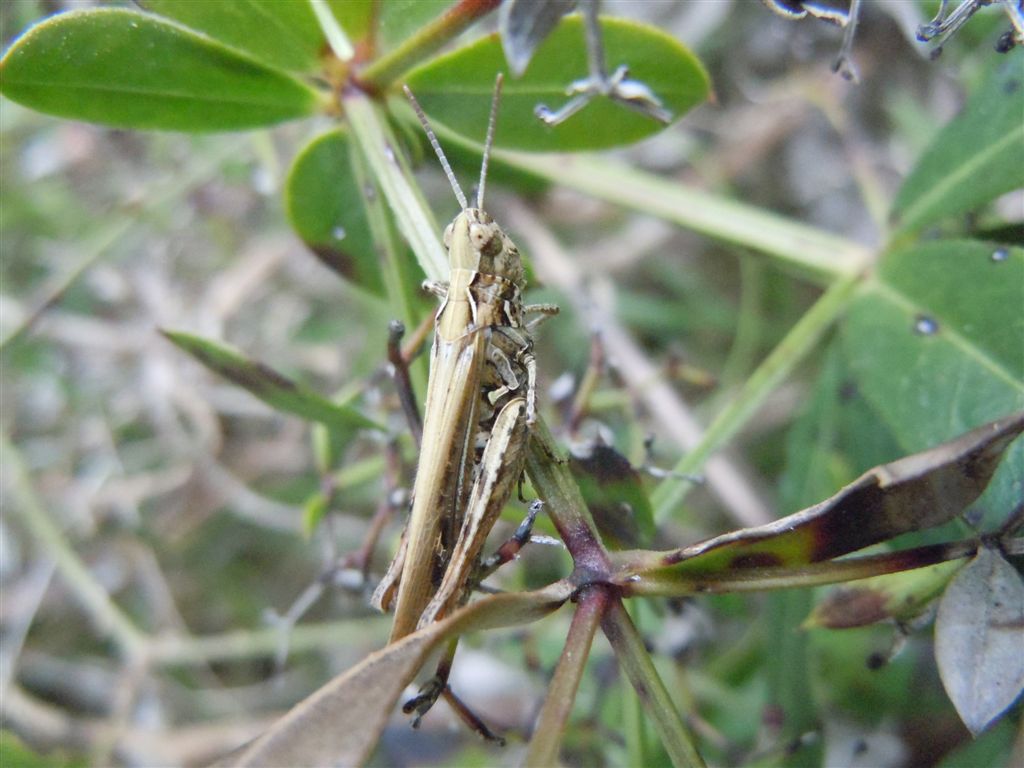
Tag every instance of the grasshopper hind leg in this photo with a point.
(508, 551)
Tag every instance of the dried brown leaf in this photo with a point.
(339, 725)
(910, 494)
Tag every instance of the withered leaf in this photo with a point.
(615, 495)
(898, 596)
(979, 639)
(339, 725)
(910, 494)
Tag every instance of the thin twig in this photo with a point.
(107, 617)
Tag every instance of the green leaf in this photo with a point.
(933, 345)
(283, 34)
(455, 89)
(974, 159)
(133, 70)
(993, 747)
(325, 205)
(974, 288)
(276, 390)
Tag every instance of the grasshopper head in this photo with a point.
(476, 242)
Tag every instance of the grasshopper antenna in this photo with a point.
(437, 149)
(489, 141)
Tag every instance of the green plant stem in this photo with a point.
(553, 717)
(563, 501)
(336, 37)
(396, 284)
(821, 255)
(636, 662)
(800, 340)
(109, 620)
(633, 725)
(381, 73)
(388, 166)
(749, 322)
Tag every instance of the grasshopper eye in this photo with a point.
(480, 236)
(448, 236)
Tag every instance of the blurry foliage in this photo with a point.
(182, 495)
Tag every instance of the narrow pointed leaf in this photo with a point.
(455, 89)
(324, 203)
(276, 390)
(281, 34)
(341, 723)
(134, 70)
(979, 639)
(910, 494)
(974, 159)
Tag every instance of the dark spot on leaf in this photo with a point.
(1011, 86)
(260, 377)
(852, 607)
(848, 391)
(756, 560)
(339, 261)
(875, 661)
(250, 374)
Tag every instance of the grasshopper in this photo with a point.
(481, 401)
